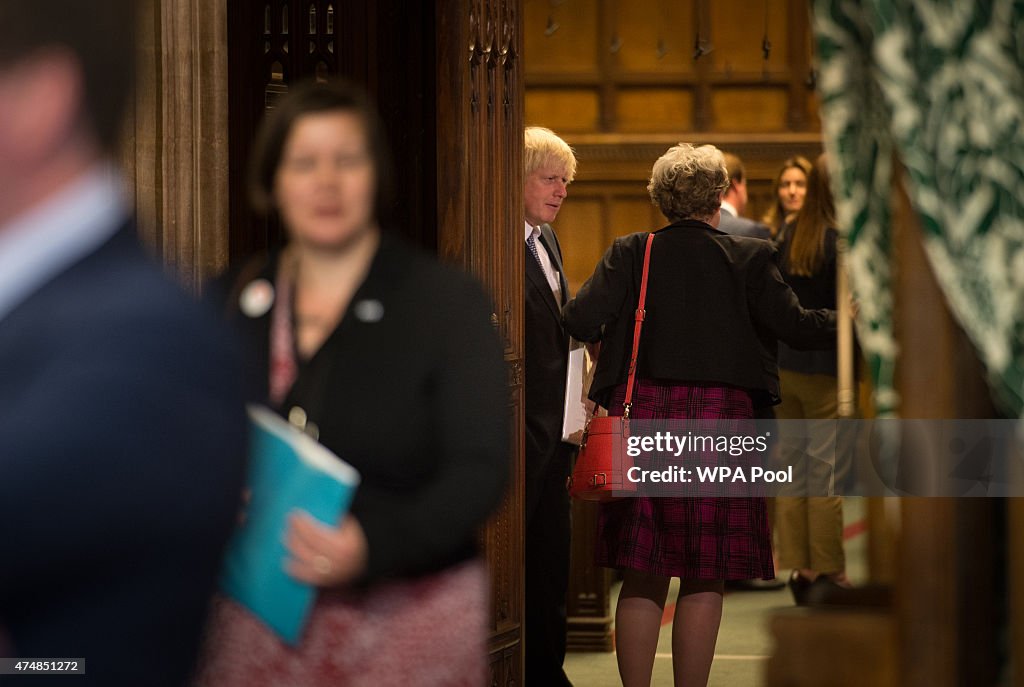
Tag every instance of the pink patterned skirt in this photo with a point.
(430, 632)
(689, 538)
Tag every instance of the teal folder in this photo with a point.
(288, 470)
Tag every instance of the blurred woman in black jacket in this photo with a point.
(391, 355)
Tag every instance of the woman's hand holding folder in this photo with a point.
(322, 555)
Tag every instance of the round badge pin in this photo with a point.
(369, 310)
(256, 298)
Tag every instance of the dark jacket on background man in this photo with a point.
(546, 351)
(548, 458)
(742, 226)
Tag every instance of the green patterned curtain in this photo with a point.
(940, 84)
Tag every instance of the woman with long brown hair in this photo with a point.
(789, 192)
(809, 528)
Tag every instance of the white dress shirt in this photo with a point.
(728, 207)
(550, 273)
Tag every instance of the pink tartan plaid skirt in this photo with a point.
(689, 538)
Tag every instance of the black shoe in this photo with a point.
(800, 586)
(755, 585)
(825, 592)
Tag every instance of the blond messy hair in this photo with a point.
(688, 182)
(544, 146)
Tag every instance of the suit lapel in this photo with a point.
(540, 282)
(550, 241)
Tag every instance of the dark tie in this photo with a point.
(531, 243)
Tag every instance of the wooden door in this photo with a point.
(480, 141)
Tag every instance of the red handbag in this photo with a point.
(602, 465)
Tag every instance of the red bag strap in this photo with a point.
(638, 324)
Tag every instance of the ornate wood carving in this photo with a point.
(479, 202)
(588, 603)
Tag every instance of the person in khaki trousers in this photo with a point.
(809, 526)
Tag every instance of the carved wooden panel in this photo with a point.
(651, 37)
(581, 224)
(588, 604)
(738, 31)
(685, 60)
(750, 109)
(565, 110)
(479, 206)
(644, 110)
(560, 36)
(631, 213)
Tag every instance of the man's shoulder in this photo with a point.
(119, 301)
(742, 226)
(117, 280)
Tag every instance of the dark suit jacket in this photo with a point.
(716, 306)
(741, 226)
(416, 401)
(547, 348)
(122, 449)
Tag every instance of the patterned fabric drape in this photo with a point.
(940, 84)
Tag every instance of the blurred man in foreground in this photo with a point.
(121, 427)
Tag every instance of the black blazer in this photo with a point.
(816, 291)
(547, 348)
(409, 389)
(742, 226)
(716, 304)
(122, 449)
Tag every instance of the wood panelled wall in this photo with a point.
(617, 66)
(623, 81)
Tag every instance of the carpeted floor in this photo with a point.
(743, 642)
